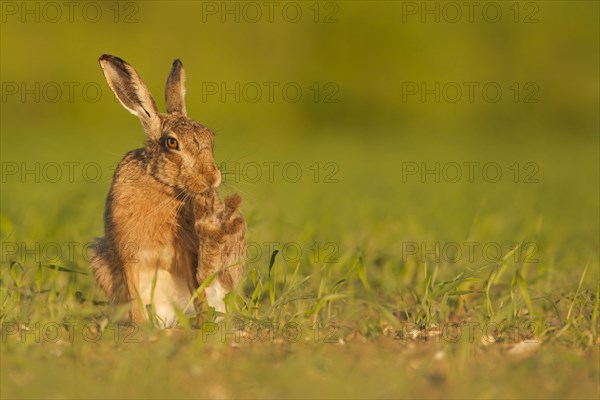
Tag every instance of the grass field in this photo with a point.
(398, 247)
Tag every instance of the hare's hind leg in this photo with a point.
(107, 273)
(137, 312)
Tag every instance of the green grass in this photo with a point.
(364, 317)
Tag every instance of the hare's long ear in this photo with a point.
(175, 90)
(131, 92)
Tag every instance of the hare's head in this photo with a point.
(180, 149)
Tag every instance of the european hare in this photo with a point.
(166, 230)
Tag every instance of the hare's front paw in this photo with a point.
(215, 219)
(233, 222)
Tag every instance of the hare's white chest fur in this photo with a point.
(168, 291)
(167, 295)
(159, 285)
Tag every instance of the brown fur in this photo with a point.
(163, 211)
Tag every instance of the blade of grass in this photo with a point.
(523, 287)
(209, 279)
(272, 279)
(577, 292)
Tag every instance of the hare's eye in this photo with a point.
(172, 143)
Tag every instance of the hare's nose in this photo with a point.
(214, 180)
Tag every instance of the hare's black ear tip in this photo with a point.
(177, 63)
(111, 59)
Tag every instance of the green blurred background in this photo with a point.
(359, 209)
(364, 55)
